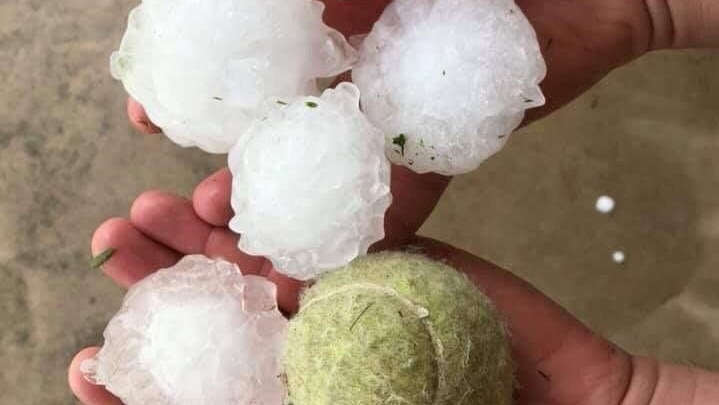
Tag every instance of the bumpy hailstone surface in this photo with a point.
(449, 80)
(197, 333)
(204, 69)
(310, 184)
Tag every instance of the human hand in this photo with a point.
(581, 40)
(559, 361)
(164, 227)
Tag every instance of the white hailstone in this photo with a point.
(203, 70)
(605, 204)
(449, 80)
(310, 184)
(618, 257)
(197, 333)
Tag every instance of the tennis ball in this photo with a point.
(397, 328)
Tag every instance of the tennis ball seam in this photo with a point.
(421, 313)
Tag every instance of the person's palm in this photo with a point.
(559, 361)
(581, 40)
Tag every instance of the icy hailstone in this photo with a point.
(449, 80)
(310, 184)
(619, 257)
(204, 69)
(197, 333)
(605, 204)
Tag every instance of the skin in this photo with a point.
(565, 364)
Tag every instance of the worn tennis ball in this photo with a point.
(397, 328)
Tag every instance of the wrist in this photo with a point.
(654, 383)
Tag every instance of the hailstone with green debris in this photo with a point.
(196, 333)
(204, 70)
(449, 80)
(310, 184)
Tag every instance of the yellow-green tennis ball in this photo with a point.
(397, 328)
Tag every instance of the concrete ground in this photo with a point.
(647, 135)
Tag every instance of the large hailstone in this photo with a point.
(204, 69)
(197, 333)
(310, 184)
(449, 80)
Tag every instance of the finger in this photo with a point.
(547, 342)
(170, 220)
(582, 41)
(211, 199)
(86, 392)
(414, 197)
(139, 119)
(222, 243)
(136, 255)
(684, 23)
(288, 290)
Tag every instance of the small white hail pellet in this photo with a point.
(619, 257)
(310, 184)
(605, 204)
(449, 80)
(196, 333)
(204, 70)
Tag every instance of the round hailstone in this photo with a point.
(605, 204)
(619, 257)
(449, 80)
(203, 70)
(197, 333)
(310, 184)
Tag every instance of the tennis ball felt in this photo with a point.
(397, 328)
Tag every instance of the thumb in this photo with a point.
(139, 119)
